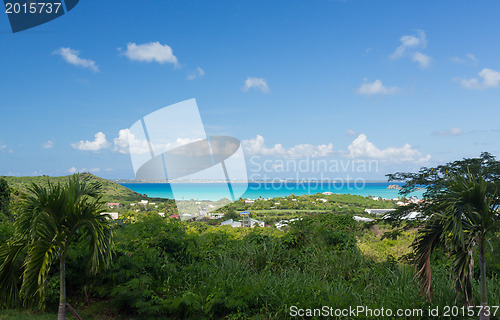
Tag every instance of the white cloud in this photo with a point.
(5, 148)
(361, 147)
(408, 43)
(257, 146)
(72, 57)
(73, 170)
(376, 87)
(198, 73)
(127, 142)
(422, 59)
(150, 52)
(48, 145)
(469, 59)
(450, 132)
(488, 78)
(350, 133)
(256, 83)
(472, 57)
(409, 46)
(99, 143)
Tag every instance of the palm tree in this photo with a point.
(50, 218)
(464, 213)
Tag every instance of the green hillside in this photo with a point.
(112, 192)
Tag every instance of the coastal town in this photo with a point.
(269, 212)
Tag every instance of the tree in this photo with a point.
(461, 207)
(231, 214)
(49, 219)
(463, 214)
(434, 180)
(4, 197)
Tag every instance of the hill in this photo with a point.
(112, 192)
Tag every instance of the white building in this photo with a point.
(363, 219)
(378, 211)
(410, 216)
(113, 215)
(238, 224)
(232, 223)
(284, 223)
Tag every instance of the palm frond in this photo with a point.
(11, 255)
(463, 269)
(36, 268)
(428, 238)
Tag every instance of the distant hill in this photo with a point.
(112, 192)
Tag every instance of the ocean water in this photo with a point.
(212, 191)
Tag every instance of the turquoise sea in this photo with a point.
(211, 191)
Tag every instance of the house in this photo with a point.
(327, 193)
(112, 215)
(232, 223)
(414, 215)
(161, 214)
(174, 216)
(284, 223)
(249, 201)
(114, 204)
(216, 215)
(238, 224)
(144, 202)
(363, 219)
(378, 211)
(258, 223)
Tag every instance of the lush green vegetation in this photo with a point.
(166, 268)
(462, 207)
(49, 219)
(111, 191)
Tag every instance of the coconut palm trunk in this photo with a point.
(484, 315)
(61, 314)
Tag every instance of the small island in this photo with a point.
(394, 187)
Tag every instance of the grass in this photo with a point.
(16, 314)
(373, 244)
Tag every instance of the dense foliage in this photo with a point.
(4, 198)
(49, 219)
(111, 191)
(164, 268)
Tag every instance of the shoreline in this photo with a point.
(215, 191)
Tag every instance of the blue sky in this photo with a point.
(406, 83)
